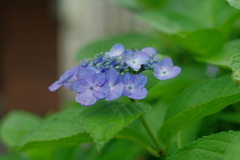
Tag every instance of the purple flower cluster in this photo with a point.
(115, 73)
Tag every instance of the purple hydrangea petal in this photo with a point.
(65, 79)
(93, 68)
(115, 92)
(135, 67)
(126, 90)
(67, 75)
(74, 78)
(129, 56)
(117, 48)
(69, 81)
(86, 74)
(167, 75)
(101, 92)
(68, 84)
(138, 94)
(160, 76)
(115, 51)
(141, 58)
(86, 98)
(98, 79)
(165, 69)
(166, 63)
(111, 77)
(136, 85)
(157, 68)
(80, 86)
(175, 71)
(120, 79)
(53, 87)
(128, 78)
(135, 60)
(149, 50)
(140, 81)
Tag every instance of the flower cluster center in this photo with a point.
(91, 87)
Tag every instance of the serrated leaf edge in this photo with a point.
(22, 147)
(203, 139)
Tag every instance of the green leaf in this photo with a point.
(130, 41)
(66, 153)
(235, 62)
(183, 137)
(15, 124)
(155, 118)
(199, 26)
(232, 152)
(209, 13)
(61, 129)
(235, 66)
(209, 125)
(169, 22)
(195, 13)
(211, 147)
(115, 149)
(197, 101)
(203, 42)
(14, 156)
(191, 15)
(222, 57)
(46, 153)
(234, 3)
(236, 77)
(119, 149)
(104, 120)
(136, 137)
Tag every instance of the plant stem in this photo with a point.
(150, 133)
(154, 140)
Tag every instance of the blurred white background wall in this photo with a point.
(83, 21)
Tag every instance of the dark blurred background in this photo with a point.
(28, 55)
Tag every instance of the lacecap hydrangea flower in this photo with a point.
(113, 74)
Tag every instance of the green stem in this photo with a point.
(154, 140)
(150, 133)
